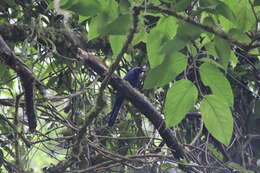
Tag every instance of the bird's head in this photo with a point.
(138, 70)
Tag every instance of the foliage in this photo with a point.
(203, 74)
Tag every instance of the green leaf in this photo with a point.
(99, 23)
(168, 25)
(217, 118)
(245, 19)
(172, 65)
(233, 60)
(185, 33)
(225, 24)
(179, 100)
(219, 85)
(116, 42)
(210, 46)
(139, 37)
(225, 11)
(249, 20)
(223, 51)
(165, 29)
(155, 40)
(86, 8)
(124, 21)
(218, 7)
(97, 26)
(188, 31)
(83, 18)
(173, 45)
(181, 5)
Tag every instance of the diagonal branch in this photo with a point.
(138, 100)
(142, 103)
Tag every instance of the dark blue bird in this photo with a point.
(133, 77)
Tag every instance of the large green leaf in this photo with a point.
(116, 42)
(223, 51)
(179, 100)
(222, 13)
(124, 21)
(172, 65)
(188, 31)
(210, 47)
(225, 11)
(99, 24)
(245, 19)
(185, 33)
(217, 7)
(217, 118)
(154, 41)
(225, 24)
(167, 25)
(164, 30)
(173, 45)
(219, 85)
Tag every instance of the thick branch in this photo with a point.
(27, 77)
(138, 100)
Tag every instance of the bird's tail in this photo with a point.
(115, 110)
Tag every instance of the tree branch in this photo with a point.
(204, 27)
(138, 100)
(27, 77)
